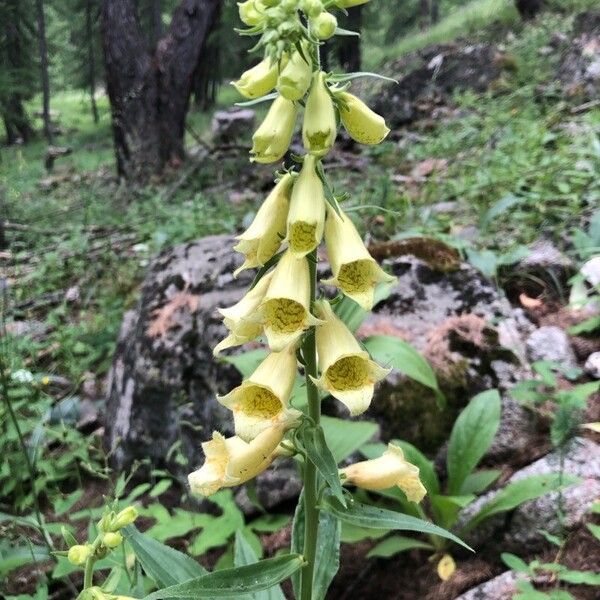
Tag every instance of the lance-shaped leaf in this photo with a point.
(231, 583)
(381, 518)
(320, 455)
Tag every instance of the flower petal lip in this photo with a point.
(306, 217)
(263, 237)
(240, 318)
(347, 371)
(355, 271)
(263, 400)
(319, 128)
(272, 139)
(284, 312)
(390, 469)
(259, 80)
(362, 124)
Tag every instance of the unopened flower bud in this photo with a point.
(250, 13)
(323, 25)
(312, 8)
(126, 517)
(112, 539)
(79, 554)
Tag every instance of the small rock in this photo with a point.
(232, 125)
(551, 343)
(444, 208)
(73, 295)
(500, 588)
(591, 270)
(544, 254)
(592, 365)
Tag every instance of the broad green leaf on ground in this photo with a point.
(231, 583)
(392, 351)
(355, 533)
(477, 482)
(244, 555)
(13, 557)
(164, 564)
(580, 577)
(345, 437)
(471, 436)
(352, 314)
(396, 544)
(514, 562)
(365, 515)
(518, 492)
(446, 508)
(320, 455)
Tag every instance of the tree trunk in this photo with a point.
(349, 46)
(15, 121)
(156, 22)
(91, 58)
(43, 50)
(528, 9)
(149, 91)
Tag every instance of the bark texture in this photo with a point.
(149, 89)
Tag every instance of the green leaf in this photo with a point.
(13, 557)
(341, 77)
(247, 362)
(352, 314)
(580, 577)
(514, 562)
(161, 487)
(345, 437)
(328, 550)
(245, 555)
(595, 529)
(230, 583)
(342, 31)
(446, 508)
(381, 518)
(586, 326)
(390, 350)
(269, 523)
(396, 544)
(498, 208)
(477, 482)
(265, 98)
(354, 533)
(165, 565)
(320, 455)
(471, 436)
(518, 492)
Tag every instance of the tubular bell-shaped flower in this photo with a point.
(306, 217)
(231, 461)
(285, 311)
(355, 271)
(390, 469)
(262, 400)
(295, 77)
(347, 371)
(272, 139)
(362, 124)
(240, 318)
(319, 128)
(262, 239)
(259, 80)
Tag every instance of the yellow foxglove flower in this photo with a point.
(355, 271)
(323, 25)
(263, 400)
(390, 469)
(319, 128)
(259, 80)
(272, 139)
(231, 461)
(240, 318)
(349, 3)
(347, 371)
(361, 123)
(262, 239)
(295, 77)
(251, 12)
(306, 218)
(284, 312)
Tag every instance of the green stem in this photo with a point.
(88, 573)
(311, 511)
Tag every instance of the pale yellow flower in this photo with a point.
(361, 123)
(263, 400)
(389, 470)
(262, 239)
(259, 80)
(306, 217)
(272, 139)
(323, 25)
(231, 461)
(295, 77)
(355, 271)
(319, 127)
(240, 318)
(347, 371)
(284, 313)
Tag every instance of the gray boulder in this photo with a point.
(501, 587)
(592, 365)
(551, 343)
(233, 125)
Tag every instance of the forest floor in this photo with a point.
(488, 175)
